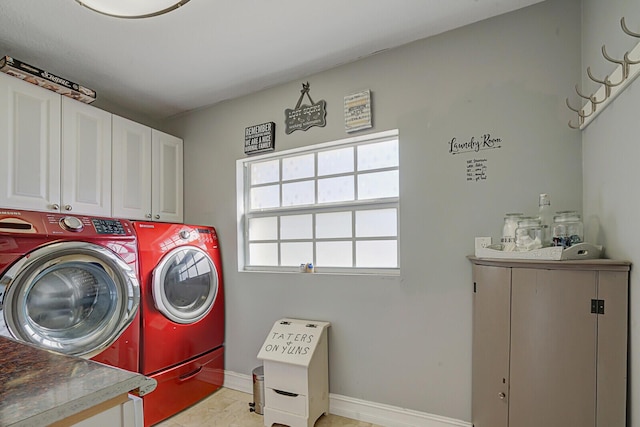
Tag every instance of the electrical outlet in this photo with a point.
(482, 242)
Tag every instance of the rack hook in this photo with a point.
(572, 108)
(580, 111)
(630, 61)
(607, 84)
(591, 98)
(627, 30)
(572, 126)
(582, 95)
(622, 63)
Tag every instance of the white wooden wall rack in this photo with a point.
(627, 69)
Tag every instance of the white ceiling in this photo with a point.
(208, 51)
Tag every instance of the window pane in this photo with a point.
(296, 253)
(377, 254)
(332, 225)
(335, 204)
(335, 161)
(265, 197)
(334, 254)
(298, 167)
(263, 228)
(264, 172)
(378, 185)
(298, 193)
(263, 254)
(375, 223)
(338, 189)
(296, 227)
(378, 155)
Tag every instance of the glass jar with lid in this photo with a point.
(529, 234)
(567, 229)
(508, 239)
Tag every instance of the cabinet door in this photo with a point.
(29, 145)
(490, 361)
(86, 159)
(131, 167)
(553, 348)
(613, 289)
(167, 172)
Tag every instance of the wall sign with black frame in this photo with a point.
(260, 138)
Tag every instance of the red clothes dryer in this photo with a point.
(69, 284)
(182, 314)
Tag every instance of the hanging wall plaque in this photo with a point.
(303, 116)
(357, 111)
(259, 138)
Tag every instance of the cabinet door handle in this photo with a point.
(157, 217)
(67, 207)
(148, 216)
(55, 206)
(501, 395)
(286, 393)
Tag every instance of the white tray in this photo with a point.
(553, 253)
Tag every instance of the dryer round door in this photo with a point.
(185, 284)
(72, 297)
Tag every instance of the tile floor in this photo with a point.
(230, 408)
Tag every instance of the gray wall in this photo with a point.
(610, 151)
(407, 341)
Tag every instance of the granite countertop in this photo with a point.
(39, 387)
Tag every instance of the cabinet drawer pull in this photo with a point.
(189, 375)
(501, 395)
(286, 393)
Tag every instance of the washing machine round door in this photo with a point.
(185, 284)
(72, 297)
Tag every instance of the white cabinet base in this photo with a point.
(296, 373)
(272, 416)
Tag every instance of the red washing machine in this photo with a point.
(69, 284)
(182, 311)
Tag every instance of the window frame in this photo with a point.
(243, 202)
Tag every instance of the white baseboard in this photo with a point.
(361, 410)
(240, 382)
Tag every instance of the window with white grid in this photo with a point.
(334, 205)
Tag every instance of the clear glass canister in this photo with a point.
(529, 234)
(508, 239)
(567, 229)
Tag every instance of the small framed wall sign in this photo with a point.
(357, 111)
(260, 138)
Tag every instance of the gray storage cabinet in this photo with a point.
(549, 343)
(296, 372)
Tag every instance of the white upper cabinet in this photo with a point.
(86, 159)
(30, 144)
(167, 173)
(59, 154)
(131, 169)
(147, 173)
(55, 152)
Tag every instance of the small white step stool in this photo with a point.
(296, 372)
